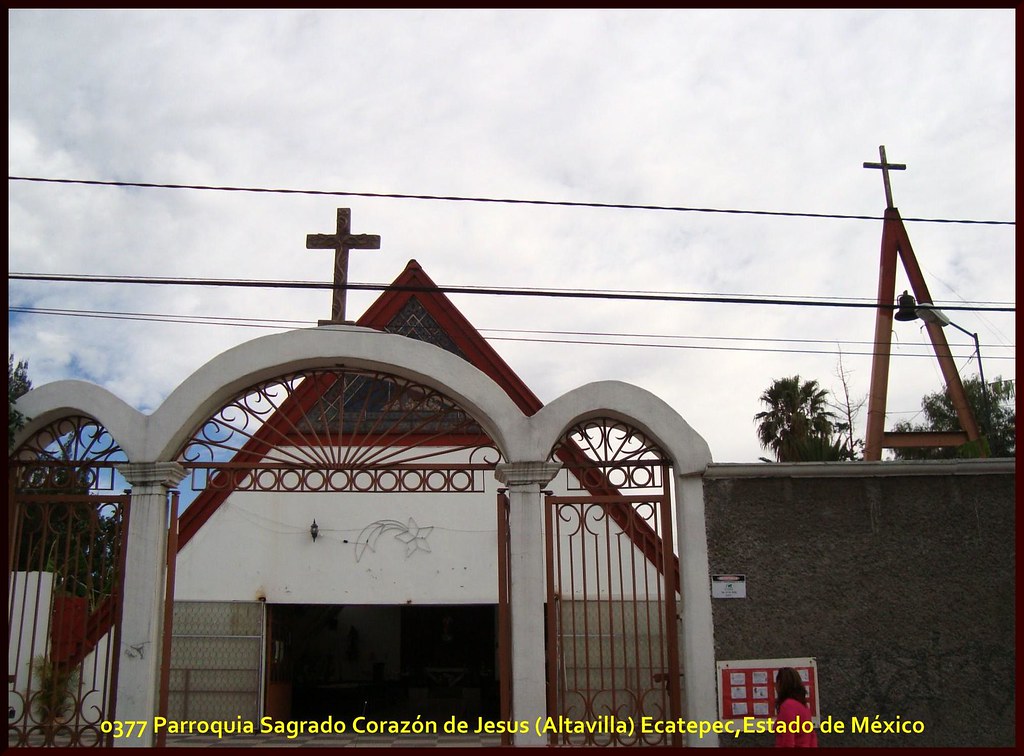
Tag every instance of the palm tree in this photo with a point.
(797, 419)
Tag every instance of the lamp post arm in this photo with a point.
(981, 373)
(964, 330)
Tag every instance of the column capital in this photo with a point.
(144, 474)
(525, 473)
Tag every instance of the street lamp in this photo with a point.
(908, 310)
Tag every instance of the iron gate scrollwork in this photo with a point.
(340, 430)
(65, 575)
(612, 583)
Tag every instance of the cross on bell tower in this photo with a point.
(341, 241)
(885, 168)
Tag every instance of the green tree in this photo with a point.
(818, 449)
(798, 424)
(17, 384)
(998, 431)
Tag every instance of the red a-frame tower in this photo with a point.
(895, 241)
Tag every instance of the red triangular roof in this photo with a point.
(412, 283)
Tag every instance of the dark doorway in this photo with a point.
(383, 662)
(449, 660)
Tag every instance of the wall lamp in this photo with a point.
(314, 530)
(908, 309)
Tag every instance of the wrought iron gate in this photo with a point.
(64, 606)
(612, 582)
(504, 616)
(66, 539)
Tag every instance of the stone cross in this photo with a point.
(341, 241)
(885, 168)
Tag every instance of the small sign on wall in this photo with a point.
(728, 586)
(746, 688)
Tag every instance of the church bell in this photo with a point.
(907, 307)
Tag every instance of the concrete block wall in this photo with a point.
(900, 581)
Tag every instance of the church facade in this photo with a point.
(396, 600)
(431, 474)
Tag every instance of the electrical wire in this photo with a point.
(481, 290)
(278, 324)
(507, 201)
(711, 338)
(717, 348)
(273, 323)
(957, 294)
(286, 324)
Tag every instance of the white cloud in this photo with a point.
(770, 110)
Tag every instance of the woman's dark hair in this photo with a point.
(789, 685)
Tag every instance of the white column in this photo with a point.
(143, 610)
(698, 652)
(527, 590)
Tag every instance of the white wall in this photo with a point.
(258, 545)
(25, 589)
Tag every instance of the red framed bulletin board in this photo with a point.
(746, 688)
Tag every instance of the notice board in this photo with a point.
(746, 688)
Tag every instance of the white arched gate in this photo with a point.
(333, 430)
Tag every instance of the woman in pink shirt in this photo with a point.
(790, 708)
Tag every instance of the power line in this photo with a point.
(485, 290)
(275, 323)
(287, 323)
(707, 338)
(714, 348)
(495, 200)
(957, 294)
(280, 324)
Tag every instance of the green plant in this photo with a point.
(54, 685)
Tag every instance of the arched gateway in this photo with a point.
(340, 533)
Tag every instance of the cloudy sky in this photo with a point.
(747, 110)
